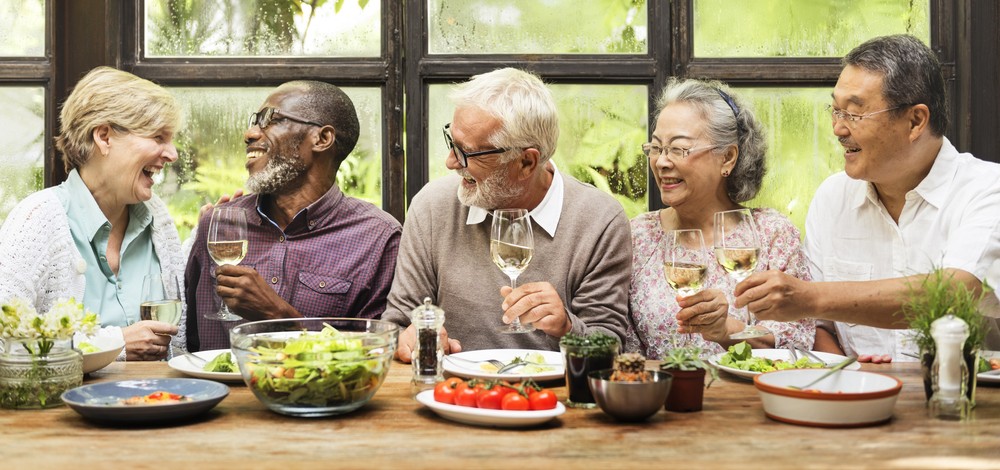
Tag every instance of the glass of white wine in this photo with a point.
(161, 299)
(227, 244)
(685, 260)
(737, 246)
(511, 247)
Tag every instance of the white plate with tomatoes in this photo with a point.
(552, 367)
(486, 417)
(992, 375)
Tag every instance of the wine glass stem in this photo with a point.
(513, 285)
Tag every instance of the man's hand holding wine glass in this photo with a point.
(538, 304)
(248, 295)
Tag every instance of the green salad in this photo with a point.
(740, 356)
(87, 348)
(324, 368)
(221, 363)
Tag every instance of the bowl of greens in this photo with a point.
(314, 367)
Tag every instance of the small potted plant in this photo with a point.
(688, 369)
(939, 294)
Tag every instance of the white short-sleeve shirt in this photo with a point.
(951, 219)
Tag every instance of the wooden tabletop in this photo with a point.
(395, 430)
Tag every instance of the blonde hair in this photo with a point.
(524, 106)
(126, 103)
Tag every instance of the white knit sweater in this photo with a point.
(40, 263)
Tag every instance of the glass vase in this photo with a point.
(34, 375)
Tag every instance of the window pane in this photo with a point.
(802, 150)
(537, 27)
(235, 28)
(602, 129)
(817, 28)
(212, 152)
(22, 145)
(22, 28)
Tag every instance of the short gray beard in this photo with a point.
(494, 192)
(276, 175)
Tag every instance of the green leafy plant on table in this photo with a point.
(688, 358)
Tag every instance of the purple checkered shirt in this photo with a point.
(335, 259)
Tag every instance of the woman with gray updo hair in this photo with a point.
(707, 155)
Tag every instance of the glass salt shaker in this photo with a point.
(949, 374)
(427, 320)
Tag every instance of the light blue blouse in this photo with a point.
(116, 299)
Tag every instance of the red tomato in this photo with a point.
(504, 389)
(489, 399)
(444, 393)
(453, 381)
(514, 401)
(465, 397)
(542, 400)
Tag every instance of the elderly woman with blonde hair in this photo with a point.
(707, 155)
(99, 233)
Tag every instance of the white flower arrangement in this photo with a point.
(21, 322)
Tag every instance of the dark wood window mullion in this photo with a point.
(393, 155)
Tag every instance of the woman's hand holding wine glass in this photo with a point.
(227, 244)
(737, 246)
(511, 248)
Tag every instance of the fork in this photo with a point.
(495, 363)
(195, 360)
(515, 365)
(813, 357)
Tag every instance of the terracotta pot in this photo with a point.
(971, 362)
(687, 390)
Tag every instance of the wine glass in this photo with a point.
(161, 299)
(737, 247)
(685, 261)
(511, 247)
(227, 244)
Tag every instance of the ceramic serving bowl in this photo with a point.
(314, 366)
(849, 398)
(629, 401)
(109, 348)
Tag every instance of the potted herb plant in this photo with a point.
(939, 294)
(688, 369)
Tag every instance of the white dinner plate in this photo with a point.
(494, 418)
(989, 377)
(185, 366)
(103, 401)
(774, 354)
(476, 371)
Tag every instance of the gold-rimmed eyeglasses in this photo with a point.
(673, 153)
(852, 119)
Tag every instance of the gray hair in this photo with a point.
(911, 74)
(725, 125)
(523, 105)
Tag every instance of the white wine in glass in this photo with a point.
(685, 261)
(227, 245)
(737, 247)
(161, 299)
(511, 247)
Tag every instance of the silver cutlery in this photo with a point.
(460, 360)
(835, 368)
(813, 357)
(515, 365)
(195, 360)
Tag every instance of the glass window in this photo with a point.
(802, 150)
(22, 28)
(537, 26)
(817, 28)
(22, 145)
(602, 129)
(213, 154)
(241, 28)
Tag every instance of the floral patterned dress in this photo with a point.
(652, 306)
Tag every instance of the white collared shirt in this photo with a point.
(951, 219)
(545, 214)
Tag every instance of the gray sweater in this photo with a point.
(589, 262)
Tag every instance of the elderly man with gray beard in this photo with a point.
(313, 251)
(502, 135)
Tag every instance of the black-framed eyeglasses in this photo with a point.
(266, 116)
(852, 119)
(462, 156)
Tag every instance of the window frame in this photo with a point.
(108, 32)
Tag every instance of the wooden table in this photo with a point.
(394, 430)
